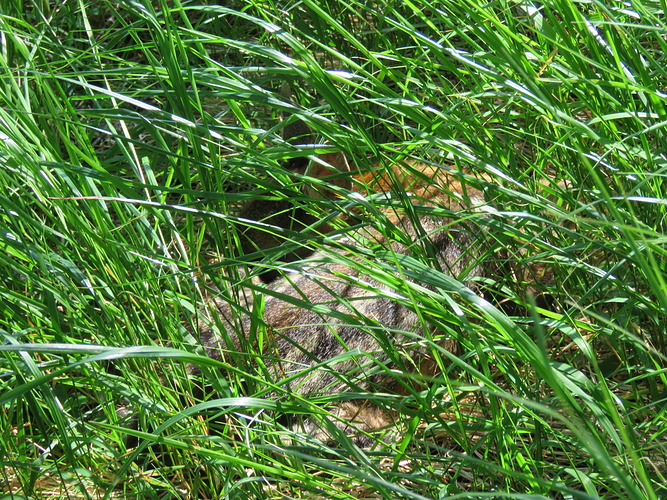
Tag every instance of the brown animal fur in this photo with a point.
(300, 337)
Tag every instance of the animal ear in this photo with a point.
(295, 132)
(333, 168)
(334, 165)
(298, 132)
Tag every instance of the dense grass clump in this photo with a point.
(132, 132)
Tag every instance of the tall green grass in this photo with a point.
(130, 134)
